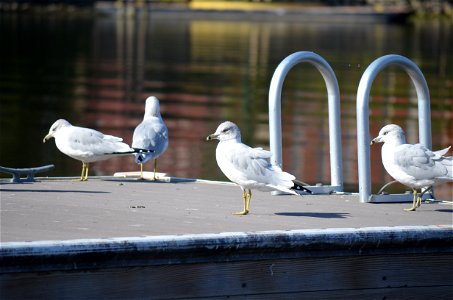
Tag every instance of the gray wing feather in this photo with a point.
(255, 164)
(150, 134)
(92, 141)
(419, 162)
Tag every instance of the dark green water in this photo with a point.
(97, 72)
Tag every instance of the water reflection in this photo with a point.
(97, 72)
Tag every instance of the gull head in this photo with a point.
(226, 131)
(390, 132)
(55, 127)
(152, 107)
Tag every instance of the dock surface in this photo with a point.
(110, 207)
(112, 238)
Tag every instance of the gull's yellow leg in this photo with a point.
(83, 171)
(420, 198)
(249, 198)
(245, 211)
(85, 178)
(155, 168)
(141, 171)
(414, 202)
(419, 201)
(82, 176)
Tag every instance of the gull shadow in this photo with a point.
(53, 191)
(137, 180)
(128, 180)
(314, 215)
(447, 210)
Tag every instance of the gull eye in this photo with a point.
(225, 130)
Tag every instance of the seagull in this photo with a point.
(248, 167)
(151, 133)
(87, 145)
(413, 165)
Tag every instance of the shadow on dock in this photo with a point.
(314, 215)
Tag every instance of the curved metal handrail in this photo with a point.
(333, 91)
(363, 128)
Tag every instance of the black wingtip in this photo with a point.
(135, 150)
(298, 186)
(119, 153)
(302, 189)
(139, 150)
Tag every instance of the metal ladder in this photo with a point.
(363, 128)
(275, 120)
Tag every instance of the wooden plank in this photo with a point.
(402, 276)
(415, 293)
(198, 248)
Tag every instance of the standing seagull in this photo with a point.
(151, 133)
(85, 144)
(413, 165)
(249, 167)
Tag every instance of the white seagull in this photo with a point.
(150, 134)
(248, 167)
(86, 145)
(413, 165)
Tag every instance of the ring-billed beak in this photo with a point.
(375, 141)
(47, 137)
(212, 137)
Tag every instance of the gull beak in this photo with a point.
(212, 137)
(47, 137)
(375, 141)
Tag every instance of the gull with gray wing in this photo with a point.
(150, 134)
(248, 167)
(87, 145)
(413, 165)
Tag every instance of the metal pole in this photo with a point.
(363, 128)
(333, 91)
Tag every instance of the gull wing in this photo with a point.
(253, 165)
(89, 141)
(419, 162)
(150, 134)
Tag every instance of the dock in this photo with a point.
(176, 238)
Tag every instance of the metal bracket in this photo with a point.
(30, 172)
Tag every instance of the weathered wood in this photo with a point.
(213, 248)
(329, 261)
(400, 276)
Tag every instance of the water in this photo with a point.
(97, 71)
